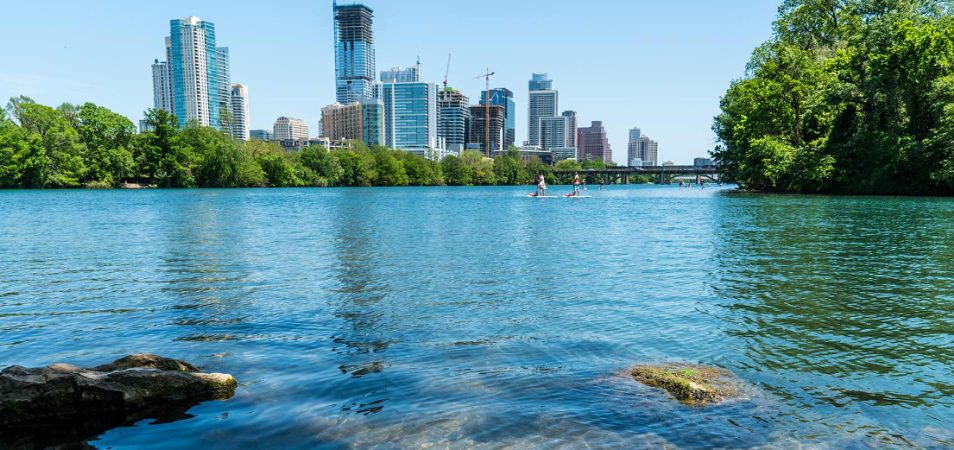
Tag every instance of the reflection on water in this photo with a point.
(476, 317)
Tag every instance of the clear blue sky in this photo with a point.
(658, 65)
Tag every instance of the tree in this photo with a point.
(108, 138)
(390, 170)
(61, 143)
(509, 168)
(849, 97)
(481, 168)
(456, 172)
(326, 169)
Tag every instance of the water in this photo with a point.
(476, 317)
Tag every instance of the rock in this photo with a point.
(689, 383)
(72, 403)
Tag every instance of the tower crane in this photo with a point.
(487, 77)
(447, 72)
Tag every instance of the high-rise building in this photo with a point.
(479, 125)
(288, 128)
(161, 87)
(342, 122)
(198, 72)
(354, 52)
(238, 104)
(593, 144)
(702, 162)
(571, 128)
(544, 102)
(504, 97)
(410, 116)
(554, 132)
(643, 151)
(453, 120)
(541, 82)
(223, 85)
(358, 121)
(261, 135)
(372, 121)
(402, 75)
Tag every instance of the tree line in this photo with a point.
(849, 96)
(90, 146)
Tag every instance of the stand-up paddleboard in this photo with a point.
(576, 196)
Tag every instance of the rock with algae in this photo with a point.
(691, 384)
(64, 403)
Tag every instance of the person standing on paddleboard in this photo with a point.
(576, 184)
(541, 186)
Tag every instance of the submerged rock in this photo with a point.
(691, 384)
(65, 403)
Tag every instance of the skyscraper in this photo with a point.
(544, 102)
(571, 128)
(453, 119)
(541, 82)
(161, 87)
(223, 85)
(289, 128)
(410, 116)
(402, 75)
(354, 52)
(553, 131)
(593, 144)
(479, 125)
(238, 104)
(198, 72)
(643, 151)
(504, 97)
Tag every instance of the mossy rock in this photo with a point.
(691, 384)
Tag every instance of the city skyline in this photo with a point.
(666, 76)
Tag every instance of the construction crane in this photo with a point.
(447, 72)
(487, 77)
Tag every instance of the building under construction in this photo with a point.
(479, 125)
(354, 52)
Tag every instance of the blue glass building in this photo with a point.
(199, 72)
(354, 53)
(504, 97)
(410, 115)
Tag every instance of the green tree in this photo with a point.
(509, 169)
(456, 173)
(390, 170)
(108, 139)
(61, 143)
(481, 168)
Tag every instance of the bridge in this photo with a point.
(664, 174)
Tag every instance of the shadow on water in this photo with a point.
(844, 304)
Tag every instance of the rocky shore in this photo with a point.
(63, 403)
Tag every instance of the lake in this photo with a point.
(480, 318)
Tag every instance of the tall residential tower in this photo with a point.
(238, 103)
(544, 103)
(198, 73)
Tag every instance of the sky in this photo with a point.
(658, 65)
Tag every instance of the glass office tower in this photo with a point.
(354, 53)
(410, 115)
(194, 67)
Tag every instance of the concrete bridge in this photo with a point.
(664, 174)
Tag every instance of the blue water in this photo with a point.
(479, 318)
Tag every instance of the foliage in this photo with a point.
(850, 96)
(90, 146)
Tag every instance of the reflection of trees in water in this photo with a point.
(204, 265)
(848, 299)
